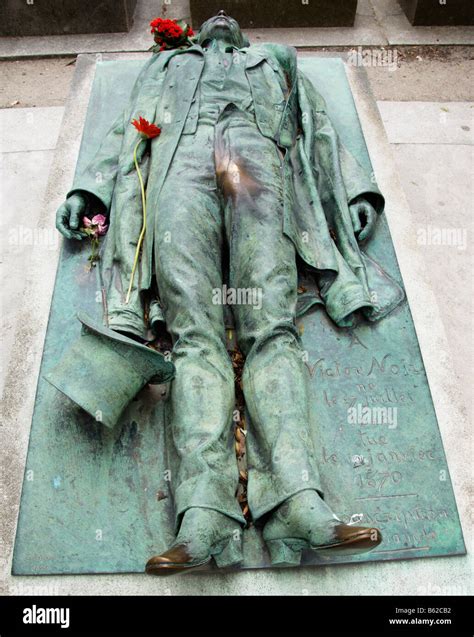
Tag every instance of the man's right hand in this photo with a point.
(69, 216)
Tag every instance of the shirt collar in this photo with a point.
(212, 45)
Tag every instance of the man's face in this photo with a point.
(222, 27)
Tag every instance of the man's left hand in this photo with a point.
(364, 218)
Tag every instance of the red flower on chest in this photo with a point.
(146, 129)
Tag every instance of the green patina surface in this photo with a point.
(98, 500)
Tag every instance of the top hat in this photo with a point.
(103, 371)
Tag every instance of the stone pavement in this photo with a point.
(378, 23)
(432, 144)
(27, 142)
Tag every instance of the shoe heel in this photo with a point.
(231, 554)
(283, 554)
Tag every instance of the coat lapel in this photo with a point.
(254, 56)
(196, 48)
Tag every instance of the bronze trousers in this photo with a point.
(220, 221)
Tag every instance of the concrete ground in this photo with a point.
(424, 73)
(427, 110)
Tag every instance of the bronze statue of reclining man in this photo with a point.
(247, 175)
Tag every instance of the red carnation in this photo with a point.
(166, 29)
(147, 130)
(170, 34)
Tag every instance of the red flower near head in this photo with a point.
(166, 29)
(170, 34)
(147, 130)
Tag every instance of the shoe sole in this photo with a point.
(287, 551)
(165, 570)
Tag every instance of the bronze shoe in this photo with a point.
(204, 535)
(178, 559)
(351, 540)
(305, 522)
(175, 560)
(346, 540)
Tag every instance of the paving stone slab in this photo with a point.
(24, 129)
(23, 184)
(438, 182)
(428, 122)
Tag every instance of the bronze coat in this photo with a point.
(321, 179)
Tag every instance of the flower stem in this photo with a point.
(142, 233)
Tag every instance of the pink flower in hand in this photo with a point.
(97, 226)
(94, 228)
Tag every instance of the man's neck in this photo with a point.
(218, 44)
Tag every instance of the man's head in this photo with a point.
(223, 27)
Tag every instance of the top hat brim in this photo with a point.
(102, 371)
